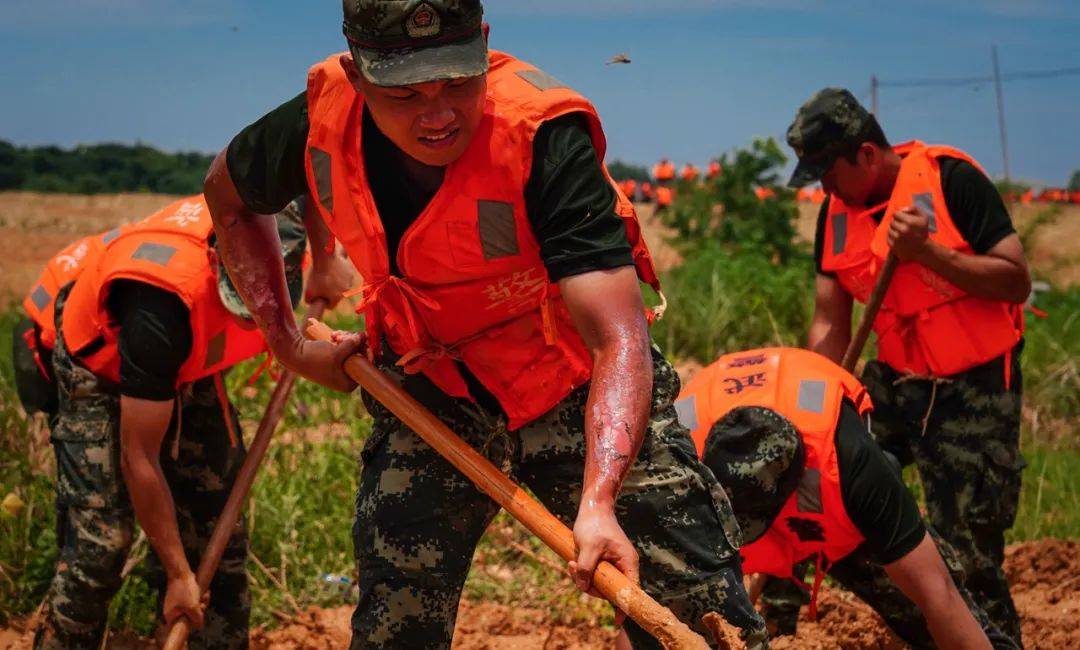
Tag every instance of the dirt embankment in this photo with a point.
(1045, 579)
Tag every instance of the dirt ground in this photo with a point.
(1045, 579)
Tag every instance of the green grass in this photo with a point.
(301, 512)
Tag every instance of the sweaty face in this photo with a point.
(852, 182)
(433, 122)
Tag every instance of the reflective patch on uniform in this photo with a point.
(809, 494)
(215, 350)
(320, 165)
(839, 233)
(541, 80)
(925, 202)
(111, 235)
(156, 253)
(40, 297)
(498, 232)
(686, 410)
(811, 395)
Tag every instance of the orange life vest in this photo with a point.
(63, 268)
(665, 196)
(714, 170)
(926, 325)
(807, 389)
(664, 171)
(472, 287)
(689, 173)
(170, 250)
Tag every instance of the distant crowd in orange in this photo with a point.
(662, 191)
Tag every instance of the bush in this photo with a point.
(728, 211)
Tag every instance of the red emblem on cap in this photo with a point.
(423, 22)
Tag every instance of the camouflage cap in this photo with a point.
(828, 125)
(402, 42)
(290, 227)
(758, 456)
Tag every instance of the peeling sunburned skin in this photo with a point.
(618, 412)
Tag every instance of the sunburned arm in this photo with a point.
(143, 425)
(999, 274)
(830, 329)
(923, 577)
(331, 273)
(249, 245)
(608, 312)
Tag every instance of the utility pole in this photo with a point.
(873, 94)
(1001, 111)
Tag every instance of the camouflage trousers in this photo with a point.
(967, 451)
(418, 519)
(861, 575)
(95, 521)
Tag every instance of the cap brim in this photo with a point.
(403, 67)
(807, 172)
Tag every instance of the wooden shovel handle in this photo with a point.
(608, 580)
(234, 506)
(877, 296)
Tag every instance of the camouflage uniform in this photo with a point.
(741, 471)
(418, 519)
(95, 520)
(968, 459)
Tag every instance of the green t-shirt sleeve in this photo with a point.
(571, 203)
(266, 159)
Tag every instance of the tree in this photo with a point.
(1074, 182)
(621, 171)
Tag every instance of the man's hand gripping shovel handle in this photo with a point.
(234, 506)
(609, 581)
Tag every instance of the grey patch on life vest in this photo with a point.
(541, 80)
(686, 411)
(156, 253)
(809, 495)
(925, 202)
(839, 233)
(811, 395)
(498, 232)
(40, 297)
(320, 165)
(215, 350)
(111, 235)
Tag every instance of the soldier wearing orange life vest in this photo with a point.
(501, 269)
(689, 173)
(144, 322)
(946, 382)
(664, 172)
(714, 169)
(785, 432)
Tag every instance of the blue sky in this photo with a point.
(707, 75)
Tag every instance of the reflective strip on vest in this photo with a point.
(541, 80)
(809, 492)
(41, 297)
(215, 350)
(156, 253)
(321, 163)
(686, 411)
(111, 235)
(839, 233)
(498, 230)
(925, 202)
(811, 395)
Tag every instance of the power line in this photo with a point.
(971, 81)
